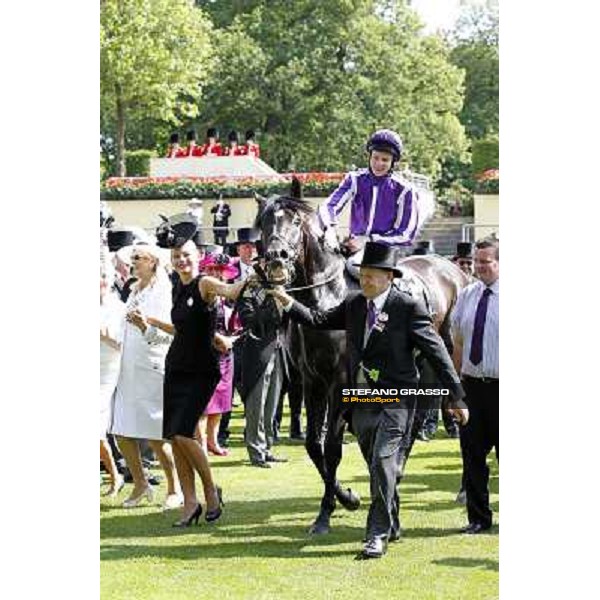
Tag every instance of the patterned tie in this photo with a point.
(476, 353)
(371, 314)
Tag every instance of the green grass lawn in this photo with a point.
(260, 548)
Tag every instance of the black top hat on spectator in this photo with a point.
(247, 235)
(211, 132)
(118, 238)
(174, 139)
(190, 136)
(233, 136)
(464, 250)
(380, 256)
(250, 134)
(175, 231)
(424, 247)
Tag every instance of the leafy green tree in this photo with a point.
(317, 77)
(155, 58)
(475, 41)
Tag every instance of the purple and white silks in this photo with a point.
(385, 209)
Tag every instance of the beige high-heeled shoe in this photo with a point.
(131, 502)
(114, 489)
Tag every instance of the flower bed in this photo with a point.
(120, 188)
(488, 182)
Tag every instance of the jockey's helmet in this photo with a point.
(386, 140)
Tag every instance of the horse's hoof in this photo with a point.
(348, 499)
(319, 528)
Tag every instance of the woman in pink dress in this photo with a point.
(221, 267)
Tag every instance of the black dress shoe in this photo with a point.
(475, 528)
(374, 548)
(275, 459)
(298, 435)
(263, 464)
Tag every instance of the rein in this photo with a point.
(315, 285)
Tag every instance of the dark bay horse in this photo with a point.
(297, 254)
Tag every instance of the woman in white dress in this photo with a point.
(112, 314)
(138, 399)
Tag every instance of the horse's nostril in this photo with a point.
(284, 254)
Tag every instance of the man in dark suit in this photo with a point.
(383, 326)
(221, 213)
(263, 367)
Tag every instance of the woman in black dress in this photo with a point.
(192, 370)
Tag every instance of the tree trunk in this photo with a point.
(120, 136)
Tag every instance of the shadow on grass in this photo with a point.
(296, 549)
(468, 563)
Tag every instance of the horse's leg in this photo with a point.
(333, 456)
(316, 415)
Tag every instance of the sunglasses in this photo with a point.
(139, 257)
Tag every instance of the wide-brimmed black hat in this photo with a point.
(464, 250)
(190, 135)
(174, 139)
(424, 247)
(118, 238)
(175, 231)
(380, 256)
(247, 235)
(212, 132)
(233, 136)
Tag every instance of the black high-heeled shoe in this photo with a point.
(213, 515)
(193, 518)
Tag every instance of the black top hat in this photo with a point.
(212, 132)
(380, 256)
(118, 238)
(174, 139)
(247, 235)
(250, 134)
(175, 231)
(190, 135)
(424, 247)
(233, 136)
(464, 250)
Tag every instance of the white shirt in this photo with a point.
(463, 320)
(245, 271)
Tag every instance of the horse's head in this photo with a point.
(283, 223)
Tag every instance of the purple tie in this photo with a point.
(371, 314)
(476, 353)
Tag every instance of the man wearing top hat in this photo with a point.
(245, 248)
(221, 213)
(212, 146)
(424, 247)
(383, 327)
(464, 257)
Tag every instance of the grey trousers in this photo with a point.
(380, 434)
(261, 406)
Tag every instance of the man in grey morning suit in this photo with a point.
(383, 326)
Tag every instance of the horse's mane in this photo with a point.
(278, 202)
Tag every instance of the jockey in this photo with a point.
(384, 206)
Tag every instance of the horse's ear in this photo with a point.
(260, 200)
(296, 188)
